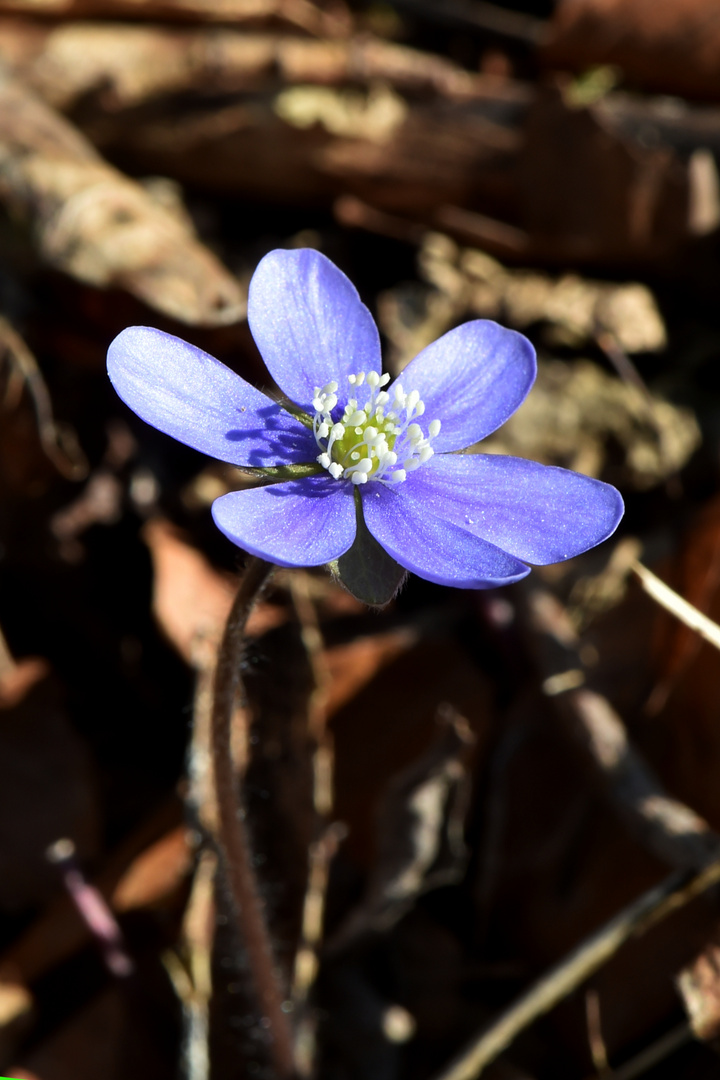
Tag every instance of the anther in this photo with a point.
(366, 429)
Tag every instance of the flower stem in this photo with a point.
(234, 841)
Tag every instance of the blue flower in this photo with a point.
(468, 520)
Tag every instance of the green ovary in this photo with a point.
(367, 442)
(352, 447)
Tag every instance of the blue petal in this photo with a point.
(471, 380)
(190, 395)
(301, 523)
(539, 513)
(309, 324)
(433, 548)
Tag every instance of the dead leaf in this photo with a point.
(155, 874)
(699, 984)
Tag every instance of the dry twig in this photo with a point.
(681, 609)
(192, 979)
(653, 906)
(58, 442)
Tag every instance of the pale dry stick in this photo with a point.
(60, 447)
(201, 795)
(323, 850)
(233, 839)
(674, 603)
(653, 906)
(307, 963)
(655, 1053)
(314, 645)
(598, 1050)
(192, 975)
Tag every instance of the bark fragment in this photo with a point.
(97, 225)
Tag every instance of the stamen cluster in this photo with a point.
(369, 440)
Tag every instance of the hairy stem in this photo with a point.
(233, 836)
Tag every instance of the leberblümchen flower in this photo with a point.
(347, 433)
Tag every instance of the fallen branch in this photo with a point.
(652, 907)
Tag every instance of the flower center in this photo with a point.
(371, 439)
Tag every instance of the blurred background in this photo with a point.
(447, 796)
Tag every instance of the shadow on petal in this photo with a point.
(322, 486)
(286, 441)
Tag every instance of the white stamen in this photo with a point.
(368, 442)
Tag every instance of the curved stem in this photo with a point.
(233, 836)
